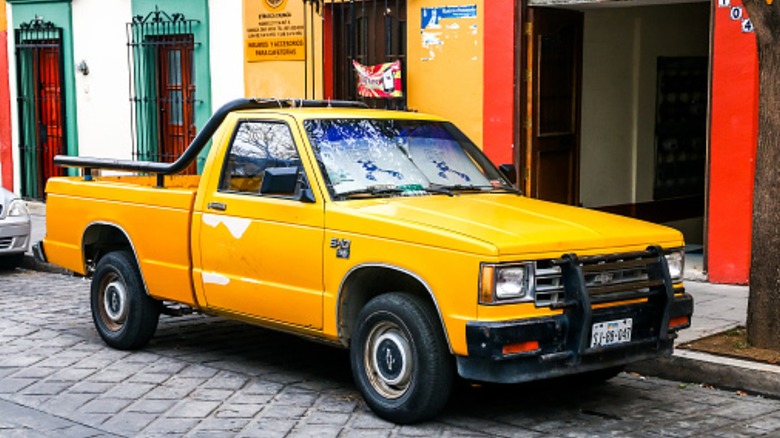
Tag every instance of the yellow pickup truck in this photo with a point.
(387, 233)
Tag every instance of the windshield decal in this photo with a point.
(383, 157)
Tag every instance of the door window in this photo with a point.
(262, 160)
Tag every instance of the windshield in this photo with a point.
(401, 157)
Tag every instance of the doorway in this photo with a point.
(554, 45)
(369, 32)
(608, 98)
(41, 104)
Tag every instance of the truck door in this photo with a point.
(260, 247)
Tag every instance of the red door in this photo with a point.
(176, 90)
(554, 59)
(50, 123)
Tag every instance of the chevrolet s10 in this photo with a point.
(387, 233)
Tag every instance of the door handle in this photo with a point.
(217, 206)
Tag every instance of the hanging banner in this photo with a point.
(381, 80)
(274, 31)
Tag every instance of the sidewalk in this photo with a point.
(717, 308)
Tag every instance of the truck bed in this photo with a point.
(156, 222)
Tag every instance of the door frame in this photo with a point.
(32, 40)
(527, 103)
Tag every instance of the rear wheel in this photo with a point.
(400, 360)
(124, 315)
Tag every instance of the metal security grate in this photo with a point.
(162, 86)
(369, 32)
(40, 102)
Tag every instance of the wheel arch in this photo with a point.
(100, 238)
(366, 281)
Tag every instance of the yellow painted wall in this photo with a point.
(447, 79)
(294, 79)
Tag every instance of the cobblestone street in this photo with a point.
(205, 376)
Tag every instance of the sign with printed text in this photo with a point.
(273, 31)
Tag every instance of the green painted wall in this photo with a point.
(192, 10)
(59, 13)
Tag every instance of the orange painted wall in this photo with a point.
(733, 142)
(6, 159)
(446, 79)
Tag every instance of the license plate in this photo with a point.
(611, 332)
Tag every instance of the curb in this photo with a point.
(718, 371)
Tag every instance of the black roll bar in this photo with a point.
(199, 142)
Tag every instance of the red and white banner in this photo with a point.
(381, 80)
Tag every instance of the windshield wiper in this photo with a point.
(480, 188)
(370, 190)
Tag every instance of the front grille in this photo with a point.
(6, 242)
(549, 283)
(607, 278)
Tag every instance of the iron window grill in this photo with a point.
(369, 32)
(40, 103)
(162, 85)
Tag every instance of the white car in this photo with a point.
(14, 229)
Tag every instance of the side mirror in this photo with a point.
(509, 171)
(279, 181)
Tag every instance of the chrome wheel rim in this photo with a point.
(112, 302)
(387, 355)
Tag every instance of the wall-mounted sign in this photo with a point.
(381, 80)
(274, 31)
(447, 23)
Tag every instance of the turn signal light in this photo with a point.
(520, 347)
(680, 321)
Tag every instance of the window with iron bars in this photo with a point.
(162, 85)
(369, 32)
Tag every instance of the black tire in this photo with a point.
(414, 379)
(124, 315)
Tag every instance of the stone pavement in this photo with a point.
(204, 376)
(122, 404)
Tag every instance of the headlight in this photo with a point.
(17, 208)
(676, 262)
(509, 283)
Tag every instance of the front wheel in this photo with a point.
(400, 360)
(124, 315)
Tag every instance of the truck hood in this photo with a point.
(505, 224)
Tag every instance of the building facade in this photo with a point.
(646, 108)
